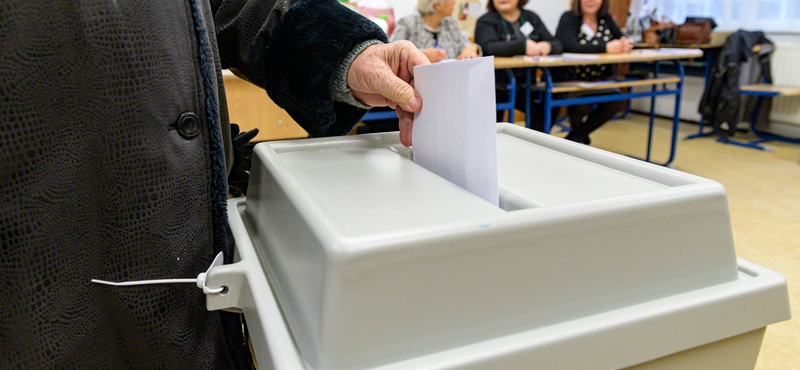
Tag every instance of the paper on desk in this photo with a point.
(576, 56)
(666, 51)
(455, 134)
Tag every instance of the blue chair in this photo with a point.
(512, 96)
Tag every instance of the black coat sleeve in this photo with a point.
(556, 47)
(292, 49)
(569, 29)
(489, 35)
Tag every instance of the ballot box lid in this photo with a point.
(376, 260)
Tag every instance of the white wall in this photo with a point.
(549, 11)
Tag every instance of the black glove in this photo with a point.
(242, 160)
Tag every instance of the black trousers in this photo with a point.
(586, 118)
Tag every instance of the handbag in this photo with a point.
(694, 33)
(660, 32)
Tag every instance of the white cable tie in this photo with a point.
(200, 280)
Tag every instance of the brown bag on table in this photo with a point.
(660, 32)
(694, 33)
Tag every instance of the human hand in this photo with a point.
(532, 48)
(627, 44)
(545, 47)
(384, 75)
(615, 47)
(434, 54)
(470, 51)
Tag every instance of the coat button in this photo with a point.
(188, 125)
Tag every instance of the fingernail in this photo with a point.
(414, 103)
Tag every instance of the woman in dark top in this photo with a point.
(508, 30)
(589, 28)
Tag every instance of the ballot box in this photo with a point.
(350, 256)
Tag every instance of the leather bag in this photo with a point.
(694, 33)
(660, 32)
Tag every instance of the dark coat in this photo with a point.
(505, 40)
(499, 38)
(115, 138)
(721, 105)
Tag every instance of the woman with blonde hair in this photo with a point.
(435, 32)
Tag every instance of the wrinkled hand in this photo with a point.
(470, 51)
(435, 55)
(384, 75)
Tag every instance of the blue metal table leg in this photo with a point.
(528, 97)
(652, 114)
(548, 99)
(676, 120)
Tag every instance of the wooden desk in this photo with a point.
(548, 88)
(250, 107)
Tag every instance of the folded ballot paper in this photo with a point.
(455, 134)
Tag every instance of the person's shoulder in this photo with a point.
(411, 19)
(491, 17)
(530, 15)
(449, 21)
(569, 16)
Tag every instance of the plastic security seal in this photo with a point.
(200, 280)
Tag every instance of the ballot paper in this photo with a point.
(455, 134)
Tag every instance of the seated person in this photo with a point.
(589, 28)
(508, 30)
(435, 32)
(437, 35)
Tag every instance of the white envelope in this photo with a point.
(455, 134)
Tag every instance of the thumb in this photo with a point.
(395, 89)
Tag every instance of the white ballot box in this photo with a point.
(351, 256)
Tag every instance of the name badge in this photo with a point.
(526, 29)
(587, 30)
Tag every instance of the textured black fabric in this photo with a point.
(304, 95)
(721, 104)
(97, 182)
(96, 185)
